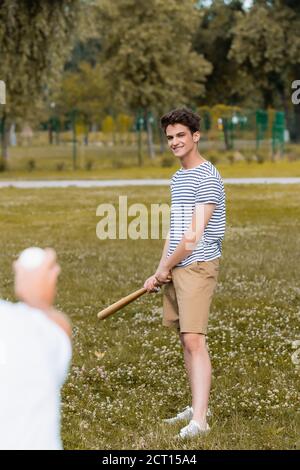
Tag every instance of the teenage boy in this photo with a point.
(191, 255)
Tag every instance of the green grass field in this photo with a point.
(120, 162)
(127, 371)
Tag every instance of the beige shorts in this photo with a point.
(187, 299)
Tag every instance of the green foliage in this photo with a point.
(35, 40)
(108, 125)
(266, 47)
(84, 51)
(254, 53)
(141, 56)
(213, 39)
(124, 123)
(143, 53)
(86, 91)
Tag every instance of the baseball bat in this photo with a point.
(121, 303)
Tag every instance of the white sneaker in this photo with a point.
(193, 429)
(185, 415)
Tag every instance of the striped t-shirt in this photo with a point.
(199, 185)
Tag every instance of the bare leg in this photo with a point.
(198, 366)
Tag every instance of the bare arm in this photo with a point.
(61, 320)
(151, 283)
(165, 251)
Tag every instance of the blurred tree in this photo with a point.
(84, 51)
(148, 55)
(213, 39)
(86, 91)
(35, 38)
(87, 46)
(123, 124)
(266, 46)
(109, 127)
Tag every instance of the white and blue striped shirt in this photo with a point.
(199, 185)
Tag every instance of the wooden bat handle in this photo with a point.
(121, 303)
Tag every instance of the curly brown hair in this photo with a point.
(181, 116)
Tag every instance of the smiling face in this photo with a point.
(181, 140)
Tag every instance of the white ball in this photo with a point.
(31, 258)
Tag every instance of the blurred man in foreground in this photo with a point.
(35, 352)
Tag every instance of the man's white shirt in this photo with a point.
(34, 359)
